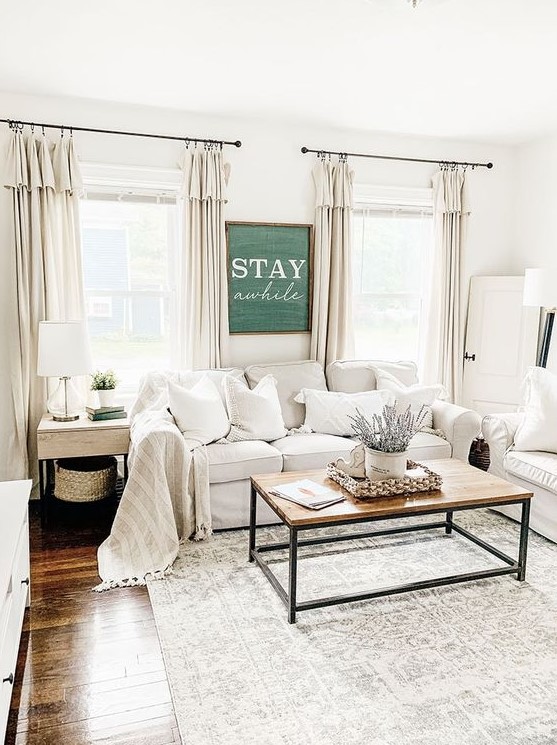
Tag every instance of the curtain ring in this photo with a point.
(61, 133)
(186, 144)
(71, 132)
(42, 128)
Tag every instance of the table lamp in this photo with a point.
(63, 353)
(540, 290)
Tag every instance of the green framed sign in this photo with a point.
(270, 272)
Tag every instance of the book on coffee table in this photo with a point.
(308, 494)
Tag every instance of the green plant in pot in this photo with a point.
(385, 438)
(104, 383)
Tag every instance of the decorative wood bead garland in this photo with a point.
(366, 489)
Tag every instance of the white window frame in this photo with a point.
(137, 183)
(400, 201)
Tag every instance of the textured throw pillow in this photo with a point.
(329, 412)
(199, 412)
(414, 396)
(254, 414)
(537, 430)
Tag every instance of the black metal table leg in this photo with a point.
(449, 523)
(252, 521)
(292, 574)
(524, 525)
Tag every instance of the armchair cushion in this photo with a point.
(539, 469)
(537, 429)
(498, 431)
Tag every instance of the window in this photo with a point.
(129, 255)
(392, 238)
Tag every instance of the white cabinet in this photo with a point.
(14, 583)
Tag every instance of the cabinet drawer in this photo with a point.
(21, 567)
(79, 443)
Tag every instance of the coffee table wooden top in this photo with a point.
(463, 486)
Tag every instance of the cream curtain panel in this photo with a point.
(203, 311)
(44, 180)
(444, 344)
(332, 335)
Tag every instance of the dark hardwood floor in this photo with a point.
(90, 668)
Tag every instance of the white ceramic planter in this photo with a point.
(106, 398)
(379, 465)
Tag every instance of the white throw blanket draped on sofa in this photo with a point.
(166, 498)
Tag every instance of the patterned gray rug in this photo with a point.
(464, 664)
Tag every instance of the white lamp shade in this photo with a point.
(63, 349)
(540, 288)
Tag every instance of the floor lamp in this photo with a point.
(540, 291)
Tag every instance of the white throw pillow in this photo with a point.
(199, 412)
(329, 412)
(254, 414)
(537, 430)
(414, 396)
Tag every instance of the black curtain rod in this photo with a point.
(237, 143)
(394, 157)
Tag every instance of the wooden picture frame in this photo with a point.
(270, 277)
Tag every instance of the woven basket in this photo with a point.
(85, 479)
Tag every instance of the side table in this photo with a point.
(77, 439)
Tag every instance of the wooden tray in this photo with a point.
(366, 489)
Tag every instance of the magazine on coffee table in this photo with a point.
(308, 494)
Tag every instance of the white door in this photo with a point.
(501, 342)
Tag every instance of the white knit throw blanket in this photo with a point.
(166, 497)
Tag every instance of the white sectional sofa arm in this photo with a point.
(459, 425)
(499, 431)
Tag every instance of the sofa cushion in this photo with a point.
(425, 446)
(353, 376)
(418, 397)
(307, 452)
(329, 412)
(291, 377)
(199, 412)
(188, 378)
(240, 460)
(538, 469)
(255, 414)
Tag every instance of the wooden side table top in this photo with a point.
(82, 437)
(47, 424)
(463, 487)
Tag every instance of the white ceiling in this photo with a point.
(472, 69)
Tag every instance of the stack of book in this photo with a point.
(106, 412)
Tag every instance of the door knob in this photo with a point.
(470, 357)
(9, 679)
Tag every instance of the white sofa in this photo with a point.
(232, 464)
(534, 471)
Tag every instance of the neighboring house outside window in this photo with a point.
(391, 253)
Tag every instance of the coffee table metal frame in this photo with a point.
(288, 595)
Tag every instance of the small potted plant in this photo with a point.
(104, 383)
(385, 438)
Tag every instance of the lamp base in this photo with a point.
(65, 403)
(63, 418)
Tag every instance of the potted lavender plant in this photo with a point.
(385, 438)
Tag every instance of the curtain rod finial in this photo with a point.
(490, 165)
(238, 143)
(304, 150)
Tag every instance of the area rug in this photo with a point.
(464, 664)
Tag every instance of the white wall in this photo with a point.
(536, 212)
(270, 181)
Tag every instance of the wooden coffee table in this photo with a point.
(464, 488)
